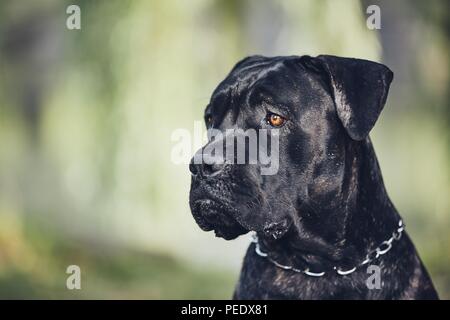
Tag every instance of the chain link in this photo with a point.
(382, 249)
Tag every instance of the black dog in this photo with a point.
(325, 217)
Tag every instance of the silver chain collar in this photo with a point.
(382, 249)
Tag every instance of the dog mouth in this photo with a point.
(205, 213)
(210, 215)
(231, 212)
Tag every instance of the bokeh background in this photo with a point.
(85, 133)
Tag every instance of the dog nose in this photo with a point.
(193, 168)
(205, 169)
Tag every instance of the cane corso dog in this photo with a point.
(325, 226)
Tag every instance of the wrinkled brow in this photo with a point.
(270, 102)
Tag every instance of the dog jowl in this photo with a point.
(255, 153)
(324, 208)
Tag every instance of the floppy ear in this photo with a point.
(359, 89)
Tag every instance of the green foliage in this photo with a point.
(39, 258)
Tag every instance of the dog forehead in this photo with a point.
(266, 80)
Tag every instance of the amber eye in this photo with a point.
(275, 120)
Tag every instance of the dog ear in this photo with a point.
(359, 89)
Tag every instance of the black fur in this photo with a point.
(327, 205)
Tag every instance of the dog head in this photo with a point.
(317, 107)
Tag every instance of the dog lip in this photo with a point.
(211, 203)
(205, 227)
(206, 213)
(205, 200)
(218, 233)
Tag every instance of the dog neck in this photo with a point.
(359, 218)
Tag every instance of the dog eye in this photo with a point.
(275, 120)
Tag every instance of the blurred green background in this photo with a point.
(86, 118)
